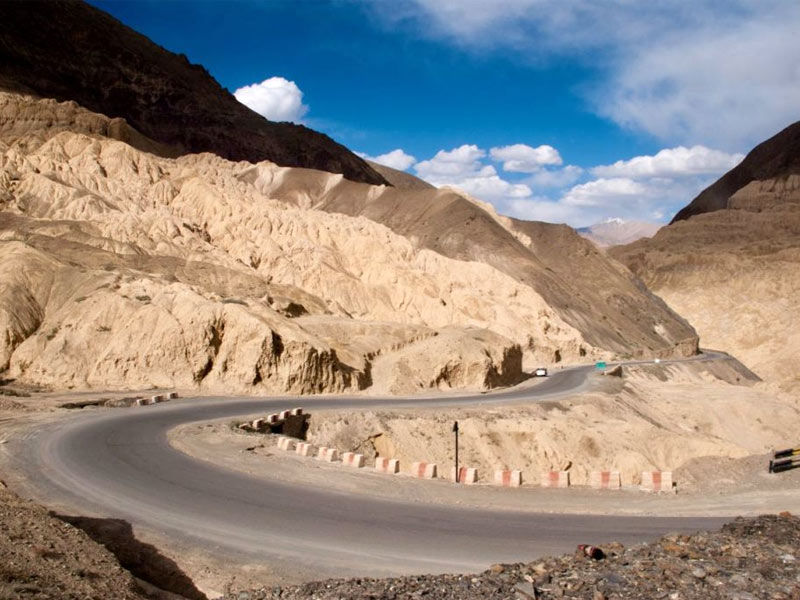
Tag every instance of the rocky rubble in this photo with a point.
(44, 557)
(749, 559)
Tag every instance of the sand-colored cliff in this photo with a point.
(125, 269)
(735, 275)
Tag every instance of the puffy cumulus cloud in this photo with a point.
(555, 178)
(396, 159)
(521, 158)
(651, 200)
(602, 192)
(718, 72)
(276, 98)
(450, 165)
(672, 162)
(645, 188)
(492, 188)
(463, 168)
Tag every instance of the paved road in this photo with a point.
(119, 463)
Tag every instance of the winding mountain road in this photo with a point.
(119, 463)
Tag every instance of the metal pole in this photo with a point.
(455, 430)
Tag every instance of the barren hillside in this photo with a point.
(125, 269)
(734, 273)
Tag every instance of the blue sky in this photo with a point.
(570, 111)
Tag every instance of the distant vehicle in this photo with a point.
(540, 372)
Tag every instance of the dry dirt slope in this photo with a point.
(124, 269)
(734, 272)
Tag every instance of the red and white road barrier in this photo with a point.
(605, 480)
(141, 402)
(327, 454)
(508, 478)
(387, 465)
(286, 443)
(555, 479)
(656, 481)
(296, 411)
(172, 395)
(303, 448)
(423, 470)
(351, 459)
(284, 414)
(257, 424)
(157, 399)
(272, 419)
(466, 475)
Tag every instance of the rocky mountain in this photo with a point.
(155, 232)
(121, 268)
(774, 159)
(615, 231)
(69, 50)
(732, 266)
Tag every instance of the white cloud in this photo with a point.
(555, 178)
(672, 162)
(492, 188)
(602, 192)
(718, 72)
(463, 168)
(649, 200)
(728, 88)
(276, 98)
(521, 158)
(396, 159)
(449, 165)
(645, 188)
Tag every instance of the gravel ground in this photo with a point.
(42, 557)
(749, 559)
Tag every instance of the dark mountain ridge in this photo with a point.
(779, 156)
(69, 50)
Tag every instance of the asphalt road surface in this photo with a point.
(118, 463)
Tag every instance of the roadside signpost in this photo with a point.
(455, 430)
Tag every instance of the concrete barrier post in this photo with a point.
(296, 411)
(157, 399)
(327, 454)
(605, 480)
(423, 470)
(303, 449)
(172, 395)
(508, 478)
(284, 414)
(465, 475)
(351, 459)
(387, 465)
(286, 443)
(555, 479)
(657, 481)
(272, 419)
(257, 424)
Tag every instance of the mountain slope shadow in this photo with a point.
(142, 560)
